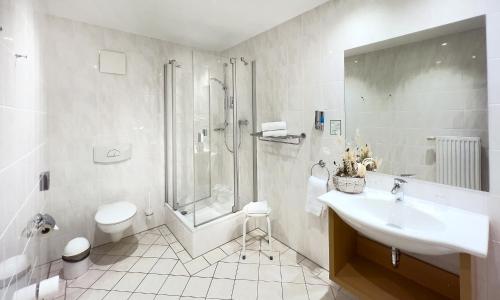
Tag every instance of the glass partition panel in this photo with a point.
(200, 108)
(213, 139)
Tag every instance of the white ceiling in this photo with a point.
(207, 24)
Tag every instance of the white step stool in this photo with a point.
(256, 210)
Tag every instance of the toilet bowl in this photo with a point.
(115, 218)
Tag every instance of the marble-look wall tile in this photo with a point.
(23, 138)
(492, 22)
(494, 122)
(283, 170)
(87, 108)
(494, 80)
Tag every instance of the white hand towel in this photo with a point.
(273, 133)
(315, 188)
(273, 126)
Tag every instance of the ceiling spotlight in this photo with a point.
(473, 57)
(438, 62)
(444, 44)
(355, 61)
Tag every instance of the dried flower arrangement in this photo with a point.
(351, 172)
(350, 166)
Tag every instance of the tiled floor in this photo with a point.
(154, 265)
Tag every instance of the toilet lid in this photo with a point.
(115, 213)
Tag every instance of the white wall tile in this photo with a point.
(494, 124)
(494, 81)
(492, 6)
(494, 214)
(492, 38)
(22, 136)
(88, 108)
(347, 24)
(494, 174)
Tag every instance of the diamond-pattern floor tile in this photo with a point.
(154, 265)
(174, 285)
(220, 289)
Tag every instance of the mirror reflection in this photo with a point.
(421, 105)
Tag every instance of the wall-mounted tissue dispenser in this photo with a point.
(112, 154)
(40, 223)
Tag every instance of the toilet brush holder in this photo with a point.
(149, 209)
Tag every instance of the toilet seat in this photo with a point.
(114, 213)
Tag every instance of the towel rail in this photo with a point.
(292, 139)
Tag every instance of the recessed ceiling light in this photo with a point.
(473, 57)
(438, 62)
(355, 61)
(444, 44)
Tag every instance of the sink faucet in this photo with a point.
(398, 189)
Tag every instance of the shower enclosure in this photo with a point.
(209, 153)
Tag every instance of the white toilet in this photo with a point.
(115, 218)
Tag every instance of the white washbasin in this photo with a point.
(413, 225)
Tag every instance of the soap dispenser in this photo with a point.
(319, 120)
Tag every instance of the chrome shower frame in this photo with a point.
(173, 66)
(171, 176)
(236, 138)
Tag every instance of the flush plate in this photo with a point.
(112, 154)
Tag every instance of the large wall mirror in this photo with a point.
(420, 103)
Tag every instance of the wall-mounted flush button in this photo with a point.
(45, 181)
(112, 154)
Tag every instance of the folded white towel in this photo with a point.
(260, 207)
(273, 133)
(273, 126)
(315, 188)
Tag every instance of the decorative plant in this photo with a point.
(356, 163)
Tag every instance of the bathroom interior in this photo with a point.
(230, 149)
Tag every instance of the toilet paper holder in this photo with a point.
(43, 223)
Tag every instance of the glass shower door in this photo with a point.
(212, 135)
(179, 150)
(209, 156)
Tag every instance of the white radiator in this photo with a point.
(458, 161)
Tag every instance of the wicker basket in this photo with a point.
(349, 185)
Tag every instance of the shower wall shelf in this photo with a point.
(292, 139)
